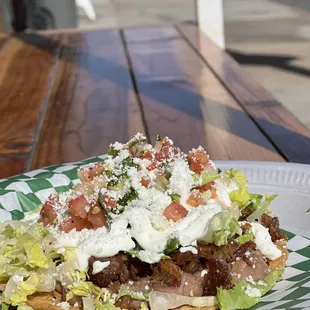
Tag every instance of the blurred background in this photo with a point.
(269, 38)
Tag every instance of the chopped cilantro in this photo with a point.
(102, 205)
(136, 142)
(158, 138)
(128, 162)
(129, 196)
(113, 152)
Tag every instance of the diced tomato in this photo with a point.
(195, 199)
(109, 202)
(74, 222)
(78, 206)
(48, 215)
(153, 165)
(145, 182)
(213, 193)
(97, 217)
(167, 151)
(147, 155)
(208, 187)
(87, 174)
(205, 187)
(175, 211)
(199, 160)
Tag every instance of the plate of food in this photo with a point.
(150, 227)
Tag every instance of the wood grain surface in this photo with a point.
(92, 102)
(285, 131)
(183, 99)
(67, 96)
(26, 63)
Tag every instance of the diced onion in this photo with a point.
(165, 301)
(158, 145)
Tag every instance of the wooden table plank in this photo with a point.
(183, 99)
(92, 103)
(26, 62)
(3, 41)
(286, 132)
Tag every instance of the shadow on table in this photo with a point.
(174, 96)
(276, 61)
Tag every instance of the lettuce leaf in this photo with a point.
(126, 291)
(24, 289)
(36, 257)
(248, 236)
(222, 226)
(263, 208)
(84, 289)
(23, 307)
(236, 176)
(236, 298)
(144, 256)
(40, 231)
(204, 178)
(143, 307)
(240, 196)
(106, 306)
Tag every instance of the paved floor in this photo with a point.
(270, 38)
(272, 41)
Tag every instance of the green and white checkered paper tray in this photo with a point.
(25, 192)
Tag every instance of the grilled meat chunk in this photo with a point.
(272, 223)
(116, 271)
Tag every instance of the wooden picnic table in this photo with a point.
(65, 96)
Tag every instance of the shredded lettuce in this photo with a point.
(143, 306)
(240, 196)
(5, 306)
(86, 288)
(126, 291)
(20, 250)
(236, 298)
(204, 178)
(106, 306)
(236, 176)
(263, 208)
(144, 257)
(248, 236)
(23, 307)
(172, 245)
(175, 197)
(223, 226)
(36, 257)
(24, 289)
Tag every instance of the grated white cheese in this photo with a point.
(63, 305)
(250, 280)
(181, 180)
(252, 291)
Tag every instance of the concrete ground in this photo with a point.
(269, 38)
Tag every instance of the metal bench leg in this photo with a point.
(211, 20)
